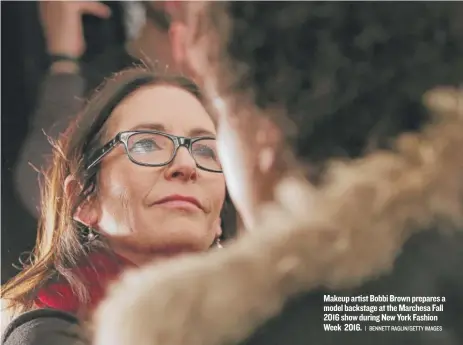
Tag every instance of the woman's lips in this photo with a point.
(181, 202)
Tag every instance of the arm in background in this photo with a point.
(60, 100)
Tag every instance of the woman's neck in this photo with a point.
(139, 255)
(138, 259)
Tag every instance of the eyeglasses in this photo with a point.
(156, 149)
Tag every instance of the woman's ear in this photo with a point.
(87, 212)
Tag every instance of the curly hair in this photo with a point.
(350, 76)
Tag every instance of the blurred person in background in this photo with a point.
(340, 132)
(135, 178)
(25, 63)
(69, 80)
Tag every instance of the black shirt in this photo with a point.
(44, 327)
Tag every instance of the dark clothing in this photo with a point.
(421, 270)
(54, 322)
(43, 327)
(61, 98)
(112, 61)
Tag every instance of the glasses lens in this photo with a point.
(150, 148)
(205, 154)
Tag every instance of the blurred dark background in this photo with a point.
(24, 62)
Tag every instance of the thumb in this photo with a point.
(177, 39)
(95, 8)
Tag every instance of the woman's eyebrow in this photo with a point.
(195, 132)
(198, 132)
(149, 126)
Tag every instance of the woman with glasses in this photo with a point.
(136, 178)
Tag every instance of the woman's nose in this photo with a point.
(183, 166)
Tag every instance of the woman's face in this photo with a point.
(129, 195)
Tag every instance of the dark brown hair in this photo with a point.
(348, 76)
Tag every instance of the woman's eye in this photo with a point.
(204, 150)
(144, 145)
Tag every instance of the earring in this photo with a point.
(92, 235)
(217, 243)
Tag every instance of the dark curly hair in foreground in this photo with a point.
(345, 72)
(350, 77)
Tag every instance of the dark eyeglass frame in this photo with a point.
(123, 138)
